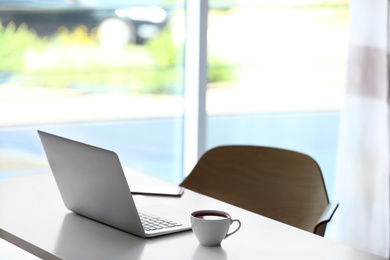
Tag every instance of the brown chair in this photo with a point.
(284, 185)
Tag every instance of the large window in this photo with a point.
(286, 64)
(111, 73)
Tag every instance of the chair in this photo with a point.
(284, 185)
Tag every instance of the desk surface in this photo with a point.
(33, 217)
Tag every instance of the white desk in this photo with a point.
(33, 217)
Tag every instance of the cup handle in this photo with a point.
(239, 226)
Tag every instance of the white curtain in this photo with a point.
(362, 175)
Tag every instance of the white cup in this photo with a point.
(211, 226)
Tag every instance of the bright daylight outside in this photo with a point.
(287, 62)
(110, 73)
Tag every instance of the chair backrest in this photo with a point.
(280, 184)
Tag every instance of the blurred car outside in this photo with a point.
(120, 21)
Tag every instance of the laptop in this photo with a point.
(92, 183)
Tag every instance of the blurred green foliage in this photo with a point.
(168, 59)
(74, 59)
(14, 42)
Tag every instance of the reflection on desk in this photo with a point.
(79, 234)
(33, 217)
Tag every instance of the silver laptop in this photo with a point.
(92, 184)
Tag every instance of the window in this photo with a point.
(108, 73)
(275, 77)
(284, 64)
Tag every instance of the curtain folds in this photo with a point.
(362, 172)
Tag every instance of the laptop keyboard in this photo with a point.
(155, 223)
